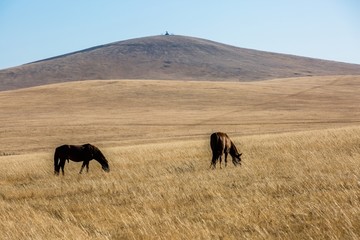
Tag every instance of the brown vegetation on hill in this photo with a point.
(127, 112)
(169, 58)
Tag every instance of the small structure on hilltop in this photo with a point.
(168, 34)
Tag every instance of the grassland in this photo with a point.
(299, 180)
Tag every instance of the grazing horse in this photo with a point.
(83, 153)
(220, 143)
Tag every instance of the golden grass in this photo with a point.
(290, 186)
(299, 179)
(113, 113)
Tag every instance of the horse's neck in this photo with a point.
(233, 150)
(99, 157)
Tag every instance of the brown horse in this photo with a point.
(220, 143)
(83, 153)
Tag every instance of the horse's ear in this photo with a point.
(240, 154)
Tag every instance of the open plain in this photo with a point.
(300, 179)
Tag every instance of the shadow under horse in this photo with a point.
(78, 153)
(220, 144)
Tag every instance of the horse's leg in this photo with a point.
(87, 167)
(56, 166)
(62, 165)
(226, 155)
(220, 159)
(213, 161)
(82, 167)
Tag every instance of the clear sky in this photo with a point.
(32, 30)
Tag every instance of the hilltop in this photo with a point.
(171, 58)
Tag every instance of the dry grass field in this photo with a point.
(299, 179)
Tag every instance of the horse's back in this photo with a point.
(73, 152)
(87, 146)
(65, 146)
(62, 149)
(219, 141)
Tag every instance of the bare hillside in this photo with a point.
(169, 57)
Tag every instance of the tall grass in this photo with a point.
(302, 185)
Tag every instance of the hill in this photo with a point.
(113, 113)
(168, 57)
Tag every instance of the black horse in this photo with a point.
(83, 153)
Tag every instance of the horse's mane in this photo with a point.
(233, 150)
(95, 151)
(99, 153)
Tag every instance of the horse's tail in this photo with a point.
(214, 139)
(214, 142)
(56, 161)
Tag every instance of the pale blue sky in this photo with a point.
(32, 30)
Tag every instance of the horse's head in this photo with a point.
(237, 159)
(105, 166)
(102, 160)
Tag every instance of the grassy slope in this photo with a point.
(113, 113)
(296, 181)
